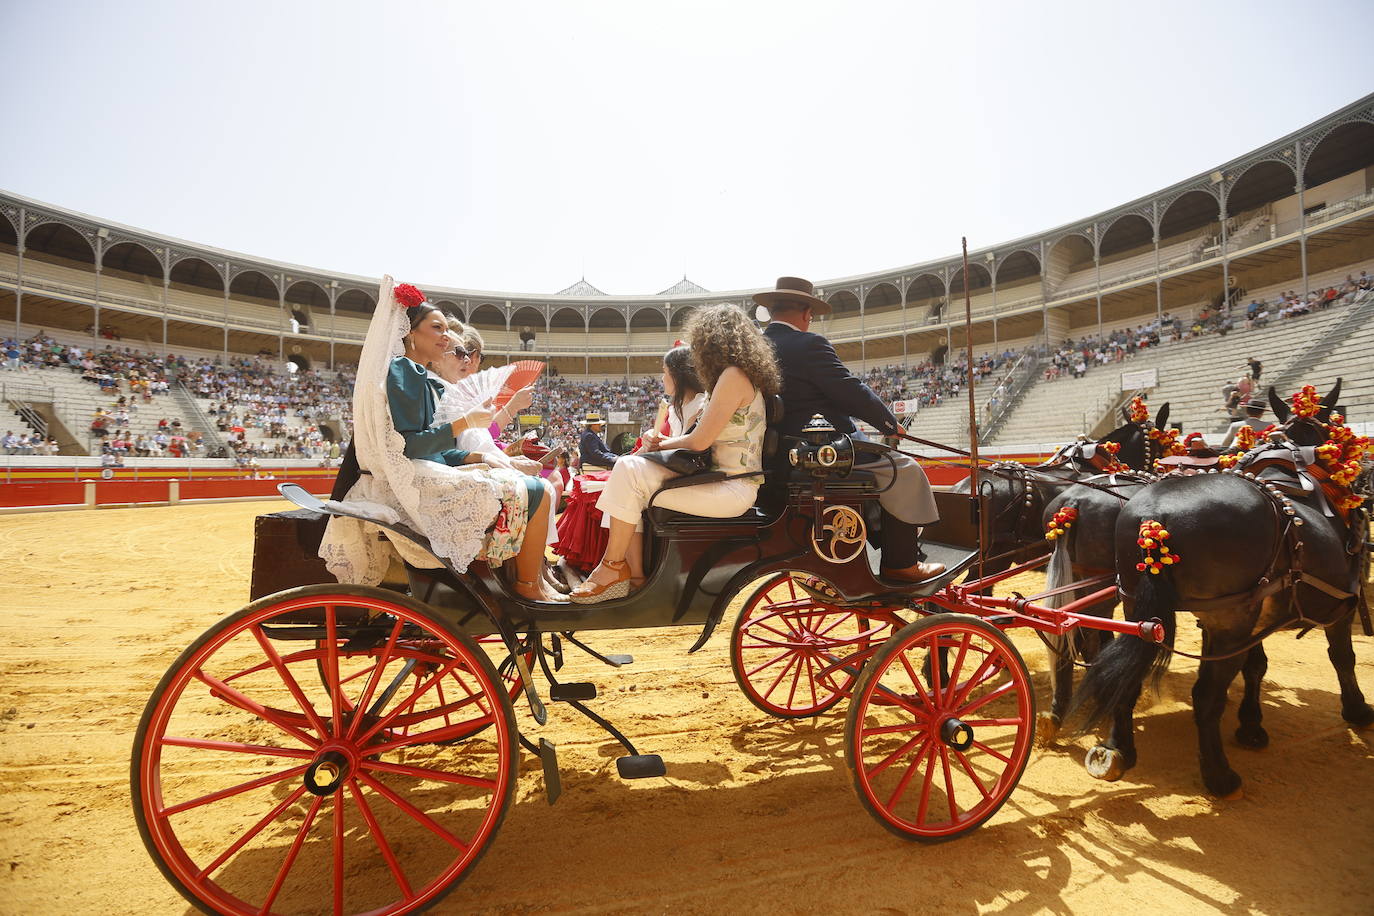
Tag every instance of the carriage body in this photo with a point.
(389, 714)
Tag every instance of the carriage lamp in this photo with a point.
(822, 452)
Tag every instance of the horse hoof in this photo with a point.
(1361, 717)
(1237, 795)
(1046, 729)
(1253, 738)
(1106, 763)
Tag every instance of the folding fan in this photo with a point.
(495, 386)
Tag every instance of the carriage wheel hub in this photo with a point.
(956, 734)
(327, 773)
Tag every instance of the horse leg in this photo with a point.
(1209, 702)
(1341, 651)
(1112, 758)
(1251, 734)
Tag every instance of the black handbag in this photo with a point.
(682, 461)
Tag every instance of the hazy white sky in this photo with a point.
(517, 145)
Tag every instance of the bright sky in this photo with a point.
(518, 145)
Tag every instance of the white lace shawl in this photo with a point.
(451, 506)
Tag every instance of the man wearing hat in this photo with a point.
(1253, 411)
(591, 446)
(814, 381)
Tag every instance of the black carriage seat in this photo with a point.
(667, 521)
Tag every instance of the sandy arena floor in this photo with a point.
(755, 815)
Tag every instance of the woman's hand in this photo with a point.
(477, 418)
(651, 441)
(519, 401)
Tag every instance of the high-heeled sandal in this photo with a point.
(544, 597)
(592, 592)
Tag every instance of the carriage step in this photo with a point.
(620, 661)
(640, 766)
(566, 693)
(548, 756)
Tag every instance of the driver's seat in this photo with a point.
(667, 521)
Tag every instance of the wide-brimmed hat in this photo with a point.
(592, 418)
(793, 289)
(1257, 406)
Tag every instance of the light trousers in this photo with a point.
(634, 479)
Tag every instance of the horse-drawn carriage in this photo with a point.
(362, 744)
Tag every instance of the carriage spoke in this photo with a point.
(376, 830)
(791, 660)
(331, 627)
(376, 676)
(968, 768)
(916, 680)
(425, 773)
(811, 678)
(955, 668)
(291, 854)
(900, 753)
(987, 750)
(925, 788)
(949, 784)
(275, 659)
(893, 729)
(979, 676)
(268, 750)
(419, 691)
(253, 831)
(234, 697)
(985, 699)
(415, 813)
(338, 853)
(235, 790)
(906, 776)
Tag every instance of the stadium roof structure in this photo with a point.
(684, 287)
(580, 288)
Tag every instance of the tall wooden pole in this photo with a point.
(972, 410)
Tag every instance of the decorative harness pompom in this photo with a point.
(1152, 538)
(1061, 523)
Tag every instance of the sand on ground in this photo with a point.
(756, 815)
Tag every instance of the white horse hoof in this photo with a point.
(1105, 762)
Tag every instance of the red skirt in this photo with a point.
(581, 539)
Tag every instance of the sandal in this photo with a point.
(592, 592)
(554, 581)
(523, 587)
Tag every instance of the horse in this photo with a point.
(1248, 552)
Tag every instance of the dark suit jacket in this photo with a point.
(593, 450)
(815, 381)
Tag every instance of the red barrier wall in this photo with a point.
(42, 494)
(136, 492)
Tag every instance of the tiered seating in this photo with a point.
(75, 402)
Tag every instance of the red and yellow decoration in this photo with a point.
(1306, 403)
(1168, 444)
(1338, 460)
(1151, 540)
(1109, 463)
(1138, 412)
(1061, 523)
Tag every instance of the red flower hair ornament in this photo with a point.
(407, 296)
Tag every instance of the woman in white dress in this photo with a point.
(736, 364)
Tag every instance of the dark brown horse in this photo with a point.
(1255, 553)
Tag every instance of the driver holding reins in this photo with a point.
(815, 381)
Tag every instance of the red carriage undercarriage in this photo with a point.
(365, 745)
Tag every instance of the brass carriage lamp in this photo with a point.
(822, 451)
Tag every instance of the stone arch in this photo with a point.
(527, 316)
(54, 241)
(195, 273)
(254, 284)
(927, 291)
(356, 300)
(1262, 183)
(1018, 266)
(980, 278)
(608, 318)
(883, 297)
(304, 300)
(487, 317)
(679, 316)
(1191, 212)
(300, 361)
(1347, 148)
(843, 302)
(567, 320)
(1128, 232)
(133, 258)
(9, 233)
(448, 307)
(1069, 252)
(648, 318)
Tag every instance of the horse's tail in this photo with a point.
(1059, 573)
(1121, 669)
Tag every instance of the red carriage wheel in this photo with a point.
(260, 786)
(940, 727)
(791, 653)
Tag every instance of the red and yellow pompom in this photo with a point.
(1168, 444)
(407, 296)
(1061, 523)
(1138, 412)
(1340, 457)
(1228, 461)
(1151, 539)
(1245, 438)
(1306, 403)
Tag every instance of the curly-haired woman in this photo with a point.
(736, 365)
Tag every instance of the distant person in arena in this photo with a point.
(815, 381)
(592, 447)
